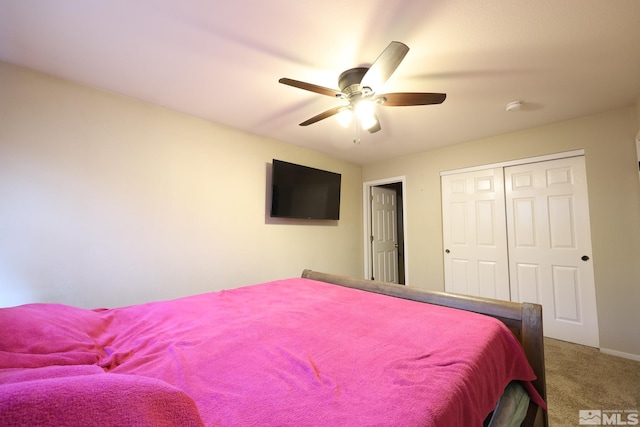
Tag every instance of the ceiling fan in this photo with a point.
(358, 87)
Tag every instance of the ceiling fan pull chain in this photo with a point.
(357, 128)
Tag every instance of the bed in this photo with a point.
(317, 350)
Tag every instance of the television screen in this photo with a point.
(304, 192)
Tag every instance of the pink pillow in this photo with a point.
(36, 335)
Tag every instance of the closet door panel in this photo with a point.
(549, 233)
(474, 234)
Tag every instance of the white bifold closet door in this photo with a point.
(475, 234)
(550, 246)
(544, 212)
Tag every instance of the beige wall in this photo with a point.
(108, 201)
(614, 198)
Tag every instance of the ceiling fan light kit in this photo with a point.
(358, 87)
(344, 117)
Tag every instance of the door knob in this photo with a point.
(447, 250)
(585, 258)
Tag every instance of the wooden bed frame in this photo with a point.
(524, 320)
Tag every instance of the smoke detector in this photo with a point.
(514, 106)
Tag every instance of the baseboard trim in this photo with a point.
(621, 354)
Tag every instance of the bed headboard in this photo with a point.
(524, 319)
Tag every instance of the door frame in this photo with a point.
(517, 162)
(366, 209)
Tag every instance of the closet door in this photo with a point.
(550, 246)
(474, 233)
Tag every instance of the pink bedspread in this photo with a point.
(289, 353)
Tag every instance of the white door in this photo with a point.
(384, 236)
(550, 246)
(474, 233)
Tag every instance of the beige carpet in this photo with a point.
(583, 378)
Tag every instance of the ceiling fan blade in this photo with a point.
(411, 98)
(384, 65)
(310, 87)
(323, 115)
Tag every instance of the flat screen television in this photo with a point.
(303, 192)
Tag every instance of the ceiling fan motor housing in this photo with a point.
(349, 81)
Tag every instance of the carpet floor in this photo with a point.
(581, 378)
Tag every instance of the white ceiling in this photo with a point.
(221, 60)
